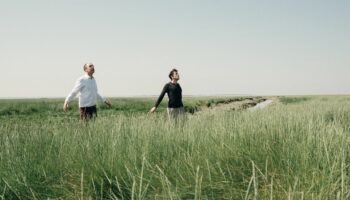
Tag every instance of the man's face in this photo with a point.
(176, 76)
(90, 69)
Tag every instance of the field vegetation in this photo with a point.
(296, 149)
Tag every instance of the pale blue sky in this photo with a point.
(219, 47)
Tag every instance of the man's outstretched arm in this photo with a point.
(78, 86)
(104, 100)
(160, 98)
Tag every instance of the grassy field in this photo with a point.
(295, 149)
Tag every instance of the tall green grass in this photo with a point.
(285, 151)
(289, 100)
(53, 107)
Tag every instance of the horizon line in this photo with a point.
(199, 95)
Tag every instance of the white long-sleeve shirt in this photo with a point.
(86, 88)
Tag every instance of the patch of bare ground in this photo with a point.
(239, 105)
(275, 99)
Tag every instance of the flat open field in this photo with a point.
(295, 148)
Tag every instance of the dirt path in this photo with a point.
(237, 105)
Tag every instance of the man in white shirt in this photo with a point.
(87, 89)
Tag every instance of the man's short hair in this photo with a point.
(171, 73)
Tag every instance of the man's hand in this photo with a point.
(153, 110)
(108, 104)
(65, 106)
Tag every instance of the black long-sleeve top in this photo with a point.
(174, 93)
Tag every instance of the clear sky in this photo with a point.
(219, 47)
